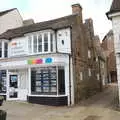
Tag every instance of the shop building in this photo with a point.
(47, 62)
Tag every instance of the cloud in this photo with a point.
(42, 10)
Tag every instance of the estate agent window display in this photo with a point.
(48, 81)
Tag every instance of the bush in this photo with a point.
(3, 115)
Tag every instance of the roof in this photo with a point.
(115, 7)
(52, 24)
(6, 11)
(110, 33)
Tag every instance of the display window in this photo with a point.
(48, 81)
(3, 79)
(44, 80)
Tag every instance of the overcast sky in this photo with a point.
(41, 10)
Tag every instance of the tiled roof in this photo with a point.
(52, 24)
(115, 7)
(6, 11)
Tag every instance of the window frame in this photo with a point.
(33, 82)
(49, 32)
(3, 50)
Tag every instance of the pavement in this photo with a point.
(98, 107)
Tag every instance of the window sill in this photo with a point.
(47, 95)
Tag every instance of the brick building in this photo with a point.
(108, 47)
(100, 62)
(52, 62)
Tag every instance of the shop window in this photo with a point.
(44, 81)
(3, 78)
(0, 49)
(5, 49)
(61, 80)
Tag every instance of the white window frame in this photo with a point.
(3, 49)
(49, 32)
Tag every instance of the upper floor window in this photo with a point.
(5, 49)
(0, 49)
(41, 43)
(45, 42)
(30, 44)
(51, 41)
(35, 43)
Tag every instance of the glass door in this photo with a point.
(13, 87)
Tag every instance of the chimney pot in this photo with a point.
(76, 9)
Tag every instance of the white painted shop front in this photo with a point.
(53, 77)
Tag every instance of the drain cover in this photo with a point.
(92, 117)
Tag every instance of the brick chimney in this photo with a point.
(77, 9)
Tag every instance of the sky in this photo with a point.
(42, 10)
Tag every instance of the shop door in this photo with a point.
(13, 87)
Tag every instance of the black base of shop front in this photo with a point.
(52, 101)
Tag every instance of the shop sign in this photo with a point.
(40, 61)
(18, 47)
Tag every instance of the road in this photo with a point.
(99, 107)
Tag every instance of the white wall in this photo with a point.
(10, 20)
(65, 36)
(116, 31)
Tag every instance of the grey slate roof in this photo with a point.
(52, 24)
(115, 7)
(6, 11)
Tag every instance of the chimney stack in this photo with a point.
(77, 9)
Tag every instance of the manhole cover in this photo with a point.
(92, 117)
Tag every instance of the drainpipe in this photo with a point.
(70, 81)
(70, 72)
(100, 74)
